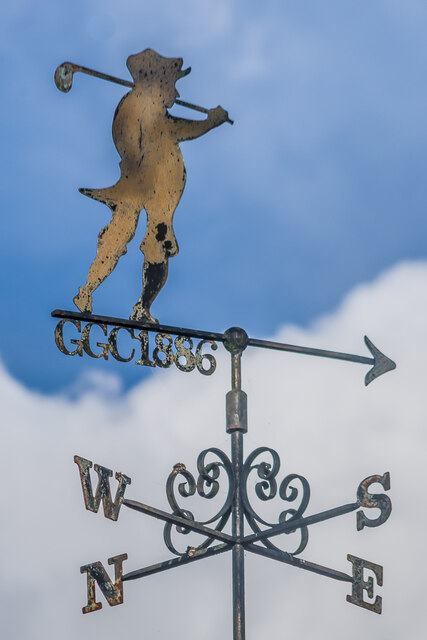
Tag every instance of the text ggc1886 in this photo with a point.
(168, 351)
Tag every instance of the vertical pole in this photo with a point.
(238, 557)
(236, 411)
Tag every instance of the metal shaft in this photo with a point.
(64, 79)
(238, 563)
(236, 409)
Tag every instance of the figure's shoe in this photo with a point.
(83, 300)
(139, 313)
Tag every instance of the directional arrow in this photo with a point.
(283, 527)
(288, 558)
(293, 524)
(200, 554)
(228, 541)
(179, 521)
(380, 363)
(191, 556)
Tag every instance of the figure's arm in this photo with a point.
(190, 129)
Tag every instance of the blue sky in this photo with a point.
(305, 222)
(317, 187)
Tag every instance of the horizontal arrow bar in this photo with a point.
(322, 353)
(179, 521)
(137, 324)
(287, 558)
(192, 556)
(380, 363)
(292, 525)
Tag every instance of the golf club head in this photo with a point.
(64, 76)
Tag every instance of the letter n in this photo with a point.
(112, 591)
(103, 492)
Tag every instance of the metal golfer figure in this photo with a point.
(152, 172)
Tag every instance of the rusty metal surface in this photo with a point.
(295, 523)
(379, 362)
(288, 558)
(167, 352)
(260, 470)
(373, 501)
(236, 411)
(183, 524)
(64, 81)
(65, 72)
(103, 491)
(360, 584)
(152, 173)
(112, 591)
(266, 489)
(207, 486)
(138, 324)
(191, 555)
(264, 463)
(290, 520)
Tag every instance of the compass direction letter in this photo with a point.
(373, 500)
(103, 491)
(360, 585)
(112, 591)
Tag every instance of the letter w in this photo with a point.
(103, 492)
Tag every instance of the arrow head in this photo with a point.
(382, 364)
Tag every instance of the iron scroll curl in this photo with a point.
(206, 486)
(182, 483)
(266, 489)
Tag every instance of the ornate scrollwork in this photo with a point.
(206, 486)
(266, 489)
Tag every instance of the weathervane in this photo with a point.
(152, 177)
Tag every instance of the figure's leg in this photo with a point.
(112, 243)
(159, 244)
(154, 276)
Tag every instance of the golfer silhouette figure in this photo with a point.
(152, 177)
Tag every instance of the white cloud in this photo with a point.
(315, 413)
